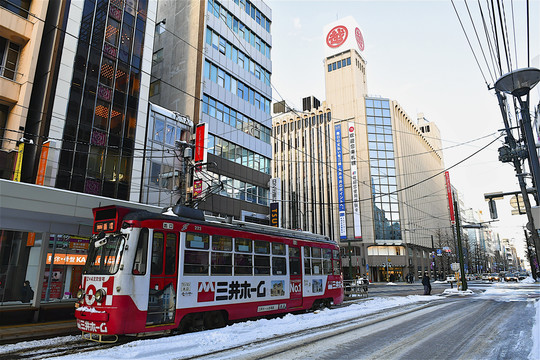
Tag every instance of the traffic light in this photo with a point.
(492, 209)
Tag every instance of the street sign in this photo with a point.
(454, 266)
(517, 203)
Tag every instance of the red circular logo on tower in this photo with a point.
(359, 39)
(337, 36)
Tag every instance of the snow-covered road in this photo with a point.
(436, 328)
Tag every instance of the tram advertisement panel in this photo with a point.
(202, 292)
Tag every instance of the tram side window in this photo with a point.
(139, 264)
(242, 245)
(262, 265)
(294, 261)
(262, 247)
(316, 262)
(221, 243)
(197, 241)
(243, 264)
(336, 262)
(170, 254)
(195, 262)
(262, 262)
(279, 266)
(157, 254)
(278, 249)
(327, 261)
(221, 263)
(307, 260)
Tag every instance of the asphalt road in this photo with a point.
(496, 326)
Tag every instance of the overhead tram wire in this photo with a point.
(173, 86)
(488, 42)
(145, 72)
(514, 31)
(469, 42)
(504, 34)
(479, 43)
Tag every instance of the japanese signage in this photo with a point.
(275, 202)
(354, 185)
(40, 179)
(342, 35)
(18, 163)
(340, 185)
(233, 290)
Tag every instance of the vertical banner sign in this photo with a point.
(275, 202)
(341, 189)
(354, 185)
(201, 139)
(200, 158)
(449, 194)
(40, 179)
(18, 163)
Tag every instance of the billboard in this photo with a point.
(354, 185)
(342, 35)
(340, 185)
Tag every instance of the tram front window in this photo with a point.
(104, 255)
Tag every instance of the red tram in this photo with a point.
(150, 273)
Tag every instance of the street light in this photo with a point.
(519, 84)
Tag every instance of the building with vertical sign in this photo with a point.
(74, 84)
(374, 179)
(212, 62)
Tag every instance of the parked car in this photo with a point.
(485, 277)
(522, 275)
(451, 278)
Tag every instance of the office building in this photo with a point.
(380, 173)
(212, 62)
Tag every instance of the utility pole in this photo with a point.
(434, 258)
(460, 248)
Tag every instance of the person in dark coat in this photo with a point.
(427, 284)
(27, 292)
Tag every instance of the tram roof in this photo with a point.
(182, 213)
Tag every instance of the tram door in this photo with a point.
(295, 268)
(163, 278)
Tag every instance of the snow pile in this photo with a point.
(458, 292)
(528, 280)
(535, 352)
(391, 283)
(199, 343)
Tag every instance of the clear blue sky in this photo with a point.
(416, 54)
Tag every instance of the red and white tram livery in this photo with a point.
(149, 272)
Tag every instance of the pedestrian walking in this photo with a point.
(427, 284)
(27, 292)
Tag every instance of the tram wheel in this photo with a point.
(214, 320)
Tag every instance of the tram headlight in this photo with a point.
(100, 295)
(80, 294)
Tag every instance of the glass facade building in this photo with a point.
(213, 64)
(99, 133)
(383, 170)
